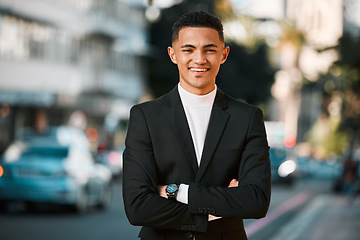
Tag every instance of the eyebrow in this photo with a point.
(210, 45)
(192, 46)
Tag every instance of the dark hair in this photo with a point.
(197, 19)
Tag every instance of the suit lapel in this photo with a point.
(217, 123)
(177, 118)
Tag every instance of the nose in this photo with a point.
(199, 57)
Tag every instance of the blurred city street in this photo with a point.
(306, 211)
(309, 211)
(71, 70)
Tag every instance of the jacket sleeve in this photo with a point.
(251, 198)
(143, 204)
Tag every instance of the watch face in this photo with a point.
(171, 188)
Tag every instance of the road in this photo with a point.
(51, 223)
(293, 213)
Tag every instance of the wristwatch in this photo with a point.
(171, 190)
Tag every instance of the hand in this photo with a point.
(162, 191)
(234, 183)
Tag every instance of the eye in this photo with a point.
(211, 50)
(187, 50)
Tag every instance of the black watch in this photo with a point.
(171, 190)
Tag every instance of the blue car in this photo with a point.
(54, 167)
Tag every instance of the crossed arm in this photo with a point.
(162, 192)
(146, 204)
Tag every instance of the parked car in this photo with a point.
(283, 167)
(54, 167)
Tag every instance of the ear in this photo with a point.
(171, 53)
(225, 54)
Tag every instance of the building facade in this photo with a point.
(81, 61)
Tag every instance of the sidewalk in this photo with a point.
(340, 221)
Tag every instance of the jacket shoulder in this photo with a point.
(240, 105)
(168, 99)
(152, 104)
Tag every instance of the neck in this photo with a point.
(197, 91)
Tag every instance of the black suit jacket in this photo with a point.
(159, 151)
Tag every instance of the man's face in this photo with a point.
(198, 53)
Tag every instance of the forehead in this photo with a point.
(198, 35)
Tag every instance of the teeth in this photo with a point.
(198, 69)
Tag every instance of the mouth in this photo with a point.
(198, 70)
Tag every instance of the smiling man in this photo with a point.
(196, 161)
(198, 53)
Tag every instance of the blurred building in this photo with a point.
(82, 60)
(321, 25)
(302, 32)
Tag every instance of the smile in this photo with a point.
(199, 69)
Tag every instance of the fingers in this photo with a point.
(234, 183)
(162, 191)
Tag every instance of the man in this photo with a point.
(196, 161)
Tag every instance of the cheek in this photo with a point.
(215, 63)
(182, 63)
(215, 60)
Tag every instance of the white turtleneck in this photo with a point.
(197, 109)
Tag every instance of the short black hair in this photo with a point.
(197, 19)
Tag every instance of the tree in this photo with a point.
(342, 82)
(349, 66)
(247, 75)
